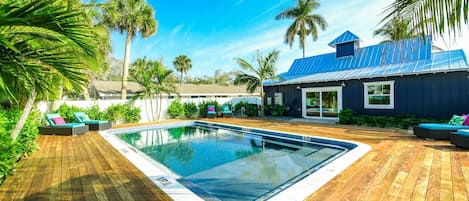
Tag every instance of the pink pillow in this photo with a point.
(58, 120)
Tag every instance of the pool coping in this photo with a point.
(166, 180)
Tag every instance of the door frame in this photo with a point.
(320, 89)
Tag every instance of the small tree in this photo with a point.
(182, 63)
(264, 71)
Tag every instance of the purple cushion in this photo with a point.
(466, 122)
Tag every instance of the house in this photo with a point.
(107, 90)
(401, 77)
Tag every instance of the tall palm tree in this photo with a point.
(39, 41)
(131, 17)
(155, 80)
(255, 77)
(182, 63)
(396, 29)
(430, 17)
(305, 23)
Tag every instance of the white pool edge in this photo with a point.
(298, 191)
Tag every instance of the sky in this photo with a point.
(213, 33)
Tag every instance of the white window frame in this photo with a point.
(278, 98)
(391, 95)
(320, 89)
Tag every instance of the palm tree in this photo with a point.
(39, 42)
(430, 17)
(396, 29)
(155, 80)
(132, 17)
(305, 23)
(264, 71)
(182, 63)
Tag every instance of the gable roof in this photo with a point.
(346, 37)
(404, 57)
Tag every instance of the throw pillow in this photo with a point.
(457, 120)
(466, 122)
(58, 120)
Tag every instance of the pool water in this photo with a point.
(217, 162)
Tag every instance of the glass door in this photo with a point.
(313, 108)
(322, 102)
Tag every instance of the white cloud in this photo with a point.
(173, 34)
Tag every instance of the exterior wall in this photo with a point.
(429, 95)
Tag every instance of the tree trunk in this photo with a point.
(262, 100)
(24, 115)
(304, 47)
(159, 107)
(125, 69)
(180, 84)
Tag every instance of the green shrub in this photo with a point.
(67, 111)
(403, 121)
(123, 112)
(275, 109)
(176, 110)
(345, 116)
(190, 110)
(12, 151)
(249, 109)
(94, 113)
(203, 107)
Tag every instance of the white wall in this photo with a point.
(145, 114)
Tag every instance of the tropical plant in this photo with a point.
(123, 112)
(395, 29)
(430, 17)
(154, 78)
(41, 42)
(176, 109)
(131, 17)
(182, 63)
(264, 71)
(305, 23)
(190, 110)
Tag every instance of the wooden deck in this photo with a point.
(399, 167)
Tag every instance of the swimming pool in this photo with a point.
(211, 161)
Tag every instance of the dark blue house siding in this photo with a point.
(437, 95)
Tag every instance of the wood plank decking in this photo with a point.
(399, 167)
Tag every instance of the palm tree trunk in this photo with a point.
(180, 84)
(159, 107)
(24, 115)
(262, 100)
(125, 69)
(304, 48)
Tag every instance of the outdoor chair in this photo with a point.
(436, 131)
(94, 125)
(460, 138)
(211, 111)
(226, 111)
(57, 126)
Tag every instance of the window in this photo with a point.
(379, 95)
(269, 100)
(345, 49)
(278, 98)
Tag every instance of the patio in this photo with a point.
(399, 167)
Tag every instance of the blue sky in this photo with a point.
(213, 33)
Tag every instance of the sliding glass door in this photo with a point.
(322, 102)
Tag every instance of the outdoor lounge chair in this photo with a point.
(211, 111)
(226, 111)
(436, 131)
(95, 125)
(59, 127)
(460, 138)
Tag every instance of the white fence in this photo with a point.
(144, 105)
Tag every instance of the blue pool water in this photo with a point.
(232, 163)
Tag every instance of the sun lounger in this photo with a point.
(226, 111)
(57, 126)
(460, 138)
(211, 111)
(93, 124)
(436, 131)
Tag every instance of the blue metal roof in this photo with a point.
(411, 56)
(344, 38)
